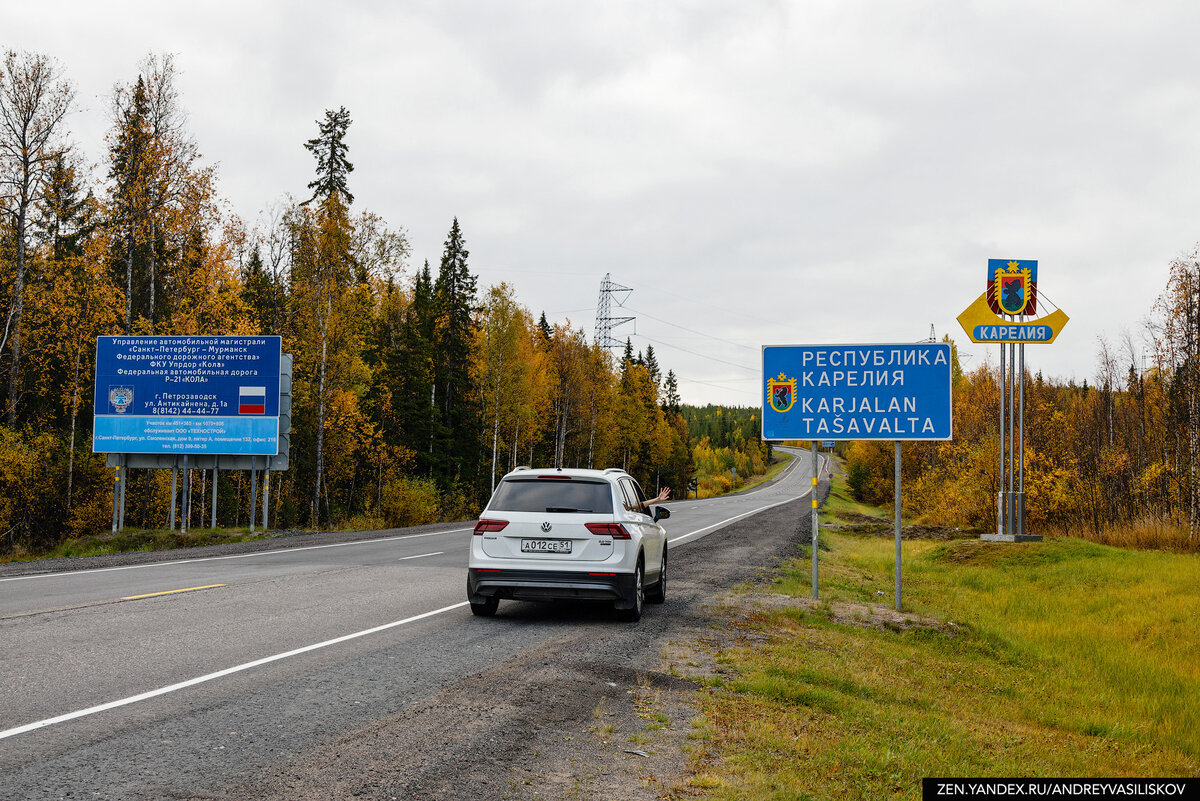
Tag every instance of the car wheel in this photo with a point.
(634, 613)
(658, 593)
(487, 608)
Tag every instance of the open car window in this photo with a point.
(634, 500)
(564, 496)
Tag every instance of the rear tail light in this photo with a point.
(614, 530)
(484, 526)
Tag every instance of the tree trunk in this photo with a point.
(74, 421)
(129, 280)
(321, 412)
(18, 306)
(152, 271)
(496, 418)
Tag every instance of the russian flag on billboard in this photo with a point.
(252, 400)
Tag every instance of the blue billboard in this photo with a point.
(857, 392)
(187, 395)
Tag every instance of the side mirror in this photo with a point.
(661, 513)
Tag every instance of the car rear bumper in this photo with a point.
(547, 585)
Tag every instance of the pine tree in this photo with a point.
(454, 333)
(258, 293)
(671, 403)
(652, 366)
(127, 171)
(330, 151)
(66, 217)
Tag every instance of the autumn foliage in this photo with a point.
(413, 389)
(1115, 459)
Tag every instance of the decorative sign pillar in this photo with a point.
(1001, 315)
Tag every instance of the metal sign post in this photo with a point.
(124, 484)
(897, 504)
(184, 510)
(253, 490)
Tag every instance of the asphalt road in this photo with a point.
(186, 677)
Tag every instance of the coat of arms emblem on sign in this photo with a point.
(781, 392)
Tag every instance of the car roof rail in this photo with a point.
(614, 470)
(521, 467)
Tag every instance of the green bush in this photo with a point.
(409, 502)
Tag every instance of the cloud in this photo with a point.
(760, 172)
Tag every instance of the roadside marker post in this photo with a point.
(815, 527)
(891, 392)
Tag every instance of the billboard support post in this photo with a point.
(253, 490)
(266, 493)
(897, 525)
(183, 509)
(213, 516)
(124, 482)
(174, 495)
(116, 497)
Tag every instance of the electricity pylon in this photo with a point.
(605, 322)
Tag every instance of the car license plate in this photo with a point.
(545, 546)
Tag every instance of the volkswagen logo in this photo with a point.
(546, 527)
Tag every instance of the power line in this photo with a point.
(691, 330)
(667, 344)
(710, 384)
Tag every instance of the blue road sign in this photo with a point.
(857, 392)
(187, 395)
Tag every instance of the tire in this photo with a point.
(658, 593)
(634, 613)
(485, 609)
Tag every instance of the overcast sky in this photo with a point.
(758, 172)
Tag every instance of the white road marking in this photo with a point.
(420, 556)
(236, 556)
(133, 699)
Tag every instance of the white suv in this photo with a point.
(558, 534)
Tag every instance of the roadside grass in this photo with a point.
(1063, 658)
(839, 504)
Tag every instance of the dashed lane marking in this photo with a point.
(170, 592)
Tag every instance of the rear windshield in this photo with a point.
(552, 495)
